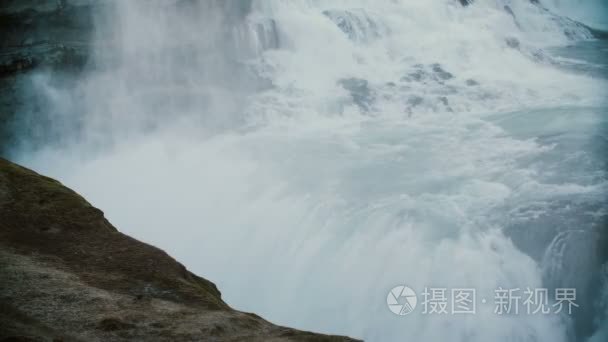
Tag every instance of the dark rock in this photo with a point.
(359, 91)
(45, 35)
(357, 25)
(512, 43)
(446, 103)
(81, 279)
(433, 72)
(113, 324)
(468, 2)
(599, 34)
(416, 76)
(439, 72)
(509, 10)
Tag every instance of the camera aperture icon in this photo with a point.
(401, 300)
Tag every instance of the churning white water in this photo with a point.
(308, 156)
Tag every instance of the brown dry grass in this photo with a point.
(67, 274)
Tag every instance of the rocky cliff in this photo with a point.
(66, 274)
(52, 37)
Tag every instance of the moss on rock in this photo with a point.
(68, 274)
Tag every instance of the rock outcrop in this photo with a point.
(39, 35)
(66, 274)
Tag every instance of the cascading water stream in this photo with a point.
(308, 156)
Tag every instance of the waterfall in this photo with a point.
(309, 156)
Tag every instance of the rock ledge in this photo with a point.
(66, 274)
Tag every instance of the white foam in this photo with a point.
(306, 197)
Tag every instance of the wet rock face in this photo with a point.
(67, 274)
(359, 91)
(468, 2)
(52, 43)
(431, 73)
(50, 35)
(357, 25)
(441, 73)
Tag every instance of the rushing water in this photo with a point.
(308, 156)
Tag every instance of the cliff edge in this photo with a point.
(66, 274)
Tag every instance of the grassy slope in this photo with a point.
(67, 273)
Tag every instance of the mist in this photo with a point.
(308, 156)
